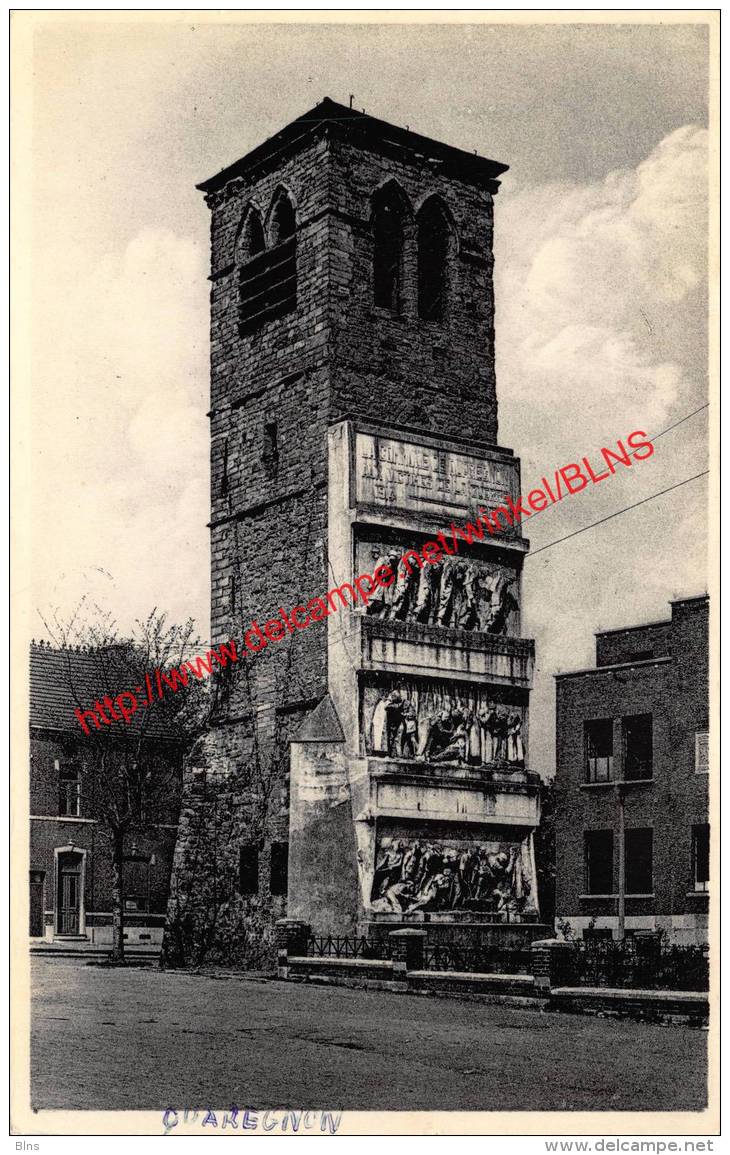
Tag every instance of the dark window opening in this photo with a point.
(639, 861)
(599, 750)
(598, 847)
(232, 595)
(283, 221)
(69, 792)
(248, 870)
(638, 751)
(701, 856)
(136, 872)
(388, 256)
(279, 867)
(433, 255)
(597, 934)
(251, 241)
(267, 278)
(222, 686)
(271, 443)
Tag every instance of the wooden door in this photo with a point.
(69, 893)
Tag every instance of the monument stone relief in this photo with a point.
(460, 593)
(449, 874)
(442, 722)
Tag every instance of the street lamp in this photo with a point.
(621, 862)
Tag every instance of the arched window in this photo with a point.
(267, 276)
(251, 238)
(434, 239)
(283, 221)
(388, 237)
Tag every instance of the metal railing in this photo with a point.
(331, 946)
(478, 960)
(641, 963)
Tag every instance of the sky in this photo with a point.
(601, 286)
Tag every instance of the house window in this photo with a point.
(701, 856)
(248, 870)
(638, 743)
(279, 867)
(433, 255)
(69, 791)
(639, 861)
(597, 934)
(598, 846)
(136, 884)
(702, 752)
(267, 278)
(599, 749)
(388, 252)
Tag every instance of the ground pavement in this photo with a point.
(108, 1039)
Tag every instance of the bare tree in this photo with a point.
(130, 759)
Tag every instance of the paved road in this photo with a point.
(138, 1038)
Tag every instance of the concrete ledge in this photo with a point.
(678, 1006)
(513, 984)
(344, 964)
(358, 982)
(510, 990)
(368, 974)
(619, 993)
(348, 971)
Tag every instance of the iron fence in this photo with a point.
(331, 946)
(478, 960)
(640, 963)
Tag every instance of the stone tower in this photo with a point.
(353, 417)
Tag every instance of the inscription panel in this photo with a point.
(405, 475)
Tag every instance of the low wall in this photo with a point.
(467, 935)
(545, 987)
(515, 990)
(348, 972)
(681, 1006)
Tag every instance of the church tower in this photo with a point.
(352, 762)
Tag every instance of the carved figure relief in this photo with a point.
(421, 874)
(443, 723)
(457, 593)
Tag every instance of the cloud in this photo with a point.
(601, 329)
(594, 282)
(120, 444)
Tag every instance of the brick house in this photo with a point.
(632, 781)
(70, 867)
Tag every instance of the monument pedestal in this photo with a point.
(410, 802)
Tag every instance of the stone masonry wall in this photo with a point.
(335, 355)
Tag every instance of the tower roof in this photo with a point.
(366, 131)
